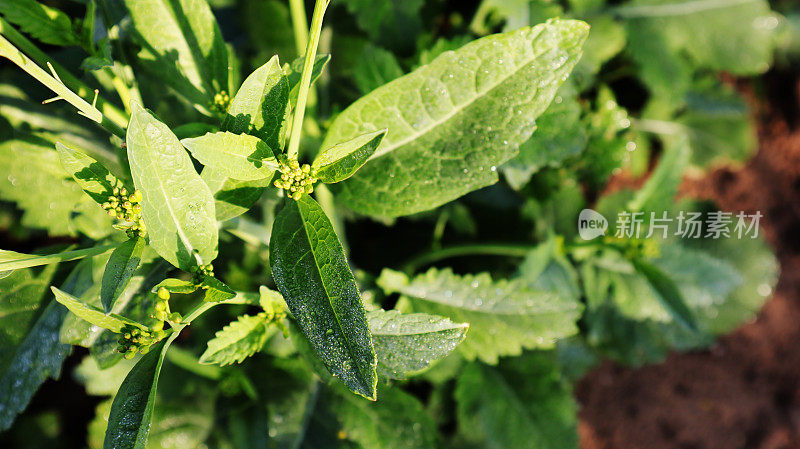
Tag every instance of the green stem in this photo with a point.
(9, 51)
(466, 250)
(10, 260)
(305, 80)
(114, 114)
(299, 24)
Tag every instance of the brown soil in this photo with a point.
(745, 391)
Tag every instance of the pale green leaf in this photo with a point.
(216, 290)
(11, 260)
(505, 317)
(177, 206)
(342, 160)
(312, 274)
(658, 193)
(408, 343)
(261, 105)
(231, 197)
(523, 404)
(94, 315)
(238, 340)
(237, 156)
(118, 273)
(179, 286)
(43, 22)
(453, 121)
(90, 175)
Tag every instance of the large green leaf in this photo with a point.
(237, 156)
(44, 23)
(311, 271)
(132, 409)
(523, 404)
(392, 23)
(238, 340)
(504, 316)
(453, 121)
(408, 343)
(184, 41)
(118, 273)
(177, 206)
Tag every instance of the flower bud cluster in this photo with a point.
(296, 180)
(635, 248)
(162, 312)
(222, 101)
(137, 340)
(125, 208)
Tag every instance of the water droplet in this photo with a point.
(493, 168)
(630, 146)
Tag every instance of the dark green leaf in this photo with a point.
(668, 292)
(311, 271)
(342, 160)
(132, 409)
(177, 206)
(121, 265)
(44, 23)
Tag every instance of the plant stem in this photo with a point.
(305, 80)
(299, 24)
(8, 50)
(114, 114)
(466, 250)
(10, 260)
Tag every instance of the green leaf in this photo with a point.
(21, 295)
(341, 161)
(504, 316)
(397, 421)
(216, 290)
(294, 72)
(44, 23)
(177, 206)
(374, 68)
(38, 357)
(736, 38)
(668, 293)
(560, 135)
(177, 286)
(238, 156)
(94, 315)
(11, 260)
(32, 176)
(238, 340)
(184, 41)
(129, 420)
(453, 121)
(392, 23)
(408, 343)
(231, 197)
(121, 265)
(90, 175)
(524, 404)
(261, 105)
(311, 272)
(658, 193)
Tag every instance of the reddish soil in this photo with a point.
(744, 393)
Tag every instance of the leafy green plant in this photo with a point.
(264, 196)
